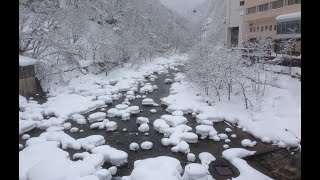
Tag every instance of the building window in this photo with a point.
(277, 4)
(290, 2)
(263, 7)
(284, 27)
(275, 27)
(251, 10)
(250, 29)
(298, 2)
(258, 28)
(266, 28)
(254, 29)
(241, 3)
(270, 28)
(261, 28)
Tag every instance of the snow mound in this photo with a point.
(223, 136)
(159, 124)
(228, 130)
(74, 129)
(114, 156)
(111, 126)
(68, 104)
(153, 110)
(158, 168)
(143, 127)
(248, 143)
(196, 171)
(206, 131)
(142, 120)
(90, 142)
(174, 120)
(26, 125)
(182, 146)
(78, 118)
(206, 158)
(146, 145)
(134, 146)
(98, 116)
(234, 156)
(191, 157)
(148, 102)
(177, 113)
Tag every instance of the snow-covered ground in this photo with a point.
(279, 119)
(44, 157)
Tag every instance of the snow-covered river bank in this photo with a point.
(93, 147)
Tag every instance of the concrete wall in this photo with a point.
(233, 19)
(27, 86)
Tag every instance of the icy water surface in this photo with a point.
(121, 140)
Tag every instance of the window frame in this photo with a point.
(263, 9)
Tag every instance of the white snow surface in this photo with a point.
(146, 145)
(206, 158)
(68, 104)
(114, 156)
(158, 168)
(289, 16)
(234, 156)
(26, 61)
(195, 171)
(279, 119)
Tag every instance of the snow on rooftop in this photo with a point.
(289, 16)
(26, 61)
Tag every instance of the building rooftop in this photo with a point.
(26, 61)
(290, 16)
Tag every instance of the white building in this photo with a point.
(234, 21)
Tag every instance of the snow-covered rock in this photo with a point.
(248, 143)
(111, 126)
(74, 129)
(143, 127)
(114, 156)
(78, 118)
(228, 130)
(25, 136)
(234, 156)
(195, 171)
(148, 102)
(182, 146)
(174, 120)
(134, 146)
(90, 142)
(159, 124)
(142, 120)
(153, 110)
(146, 145)
(158, 168)
(191, 157)
(177, 113)
(206, 158)
(98, 116)
(223, 136)
(206, 131)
